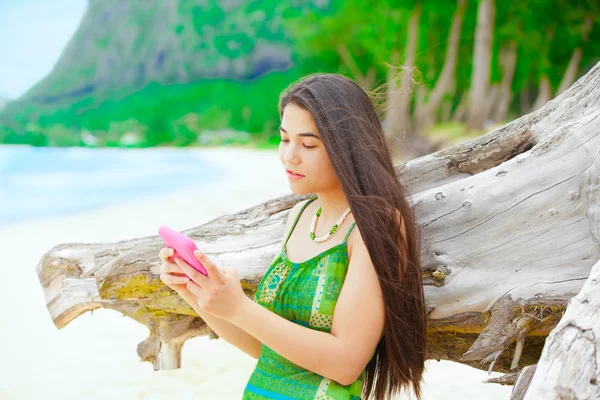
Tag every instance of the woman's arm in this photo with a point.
(317, 351)
(226, 330)
(358, 323)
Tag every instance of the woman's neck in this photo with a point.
(333, 204)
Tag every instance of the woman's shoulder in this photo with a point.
(294, 213)
(354, 240)
(297, 207)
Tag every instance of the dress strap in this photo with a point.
(349, 231)
(296, 220)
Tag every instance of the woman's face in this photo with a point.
(302, 151)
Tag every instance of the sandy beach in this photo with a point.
(95, 357)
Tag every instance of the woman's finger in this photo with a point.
(165, 253)
(211, 269)
(195, 289)
(174, 280)
(190, 271)
(170, 267)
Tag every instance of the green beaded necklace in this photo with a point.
(333, 228)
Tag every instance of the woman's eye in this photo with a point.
(308, 147)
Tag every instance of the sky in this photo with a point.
(33, 34)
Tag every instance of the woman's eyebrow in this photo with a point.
(308, 134)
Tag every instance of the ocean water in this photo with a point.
(45, 181)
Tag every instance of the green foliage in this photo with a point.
(161, 114)
(546, 33)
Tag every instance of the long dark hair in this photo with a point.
(353, 137)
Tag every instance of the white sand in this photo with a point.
(95, 357)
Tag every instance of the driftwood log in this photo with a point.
(511, 230)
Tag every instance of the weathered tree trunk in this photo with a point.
(510, 223)
(522, 381)
(482, 56)
(570, 364)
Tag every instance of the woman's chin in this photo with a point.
(299, 190)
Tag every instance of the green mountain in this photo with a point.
(3, 102)
(165, 70)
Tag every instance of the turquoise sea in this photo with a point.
(37, 182)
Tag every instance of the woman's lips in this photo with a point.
(293, 176)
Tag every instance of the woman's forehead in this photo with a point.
(298, 121)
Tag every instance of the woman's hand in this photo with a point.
(220, 293)
(171, 274)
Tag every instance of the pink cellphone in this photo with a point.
(183, 247)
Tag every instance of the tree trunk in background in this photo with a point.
(446, 110)
(544, 95)
(402, 111)
(461, 109)
(421, 93)
(510, 228)
(524, 99)
(424, 116)
(508, 60)
(571, 71)
(482, 56)
(391, 95)
(544, 91)
(400, 122)
(573, 66)
(493, 96)
(365, 81)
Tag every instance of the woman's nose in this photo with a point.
(290, 154)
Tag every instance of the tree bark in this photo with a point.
(569, 367)
(510, 231)
(522, 382)
(482, 55)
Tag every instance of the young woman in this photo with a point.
(340, 312)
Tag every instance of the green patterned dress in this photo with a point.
(305, 293)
